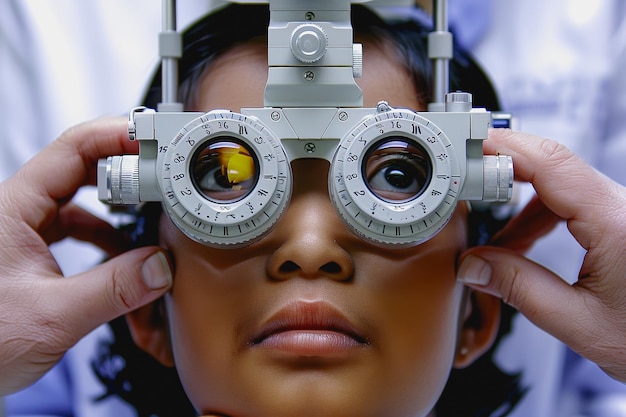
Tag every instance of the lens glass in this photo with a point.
(224, 170)
(397, 169)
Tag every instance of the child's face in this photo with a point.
(311, 320)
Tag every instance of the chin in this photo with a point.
(322, 401)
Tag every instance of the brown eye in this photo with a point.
(397, 170)
(224, 170)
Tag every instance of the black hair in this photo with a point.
(480, 390)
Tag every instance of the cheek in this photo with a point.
(202, 313)
(420, 309)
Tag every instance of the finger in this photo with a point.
(540, 295)
(56, 173)
(112, 289)
(523, 230)
(78, 223)
(565, 183)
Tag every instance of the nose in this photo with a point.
(310, 230)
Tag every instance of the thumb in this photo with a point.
(540, 295)
(116, 287)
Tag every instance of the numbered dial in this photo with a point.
(395, 178)
(226, 179)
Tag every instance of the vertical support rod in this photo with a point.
(442, 77)
(440, 51)
(170, 50)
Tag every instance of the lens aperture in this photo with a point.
(397, 170)
(224, 170)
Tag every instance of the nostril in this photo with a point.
(331, 268)
(289, 266)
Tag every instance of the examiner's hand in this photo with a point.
(590, 315)
(43, 314)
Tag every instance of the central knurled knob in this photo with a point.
(309, 43)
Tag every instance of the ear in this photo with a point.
(481, 320)
(149, 330)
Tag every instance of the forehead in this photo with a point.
(237, 78)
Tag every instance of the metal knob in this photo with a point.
(357, 60)
(118, 180)
(309, 43)
(458, 101)
(497, 178)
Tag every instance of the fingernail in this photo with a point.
(156, 272)
(474, 270)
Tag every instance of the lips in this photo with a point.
(309, 329)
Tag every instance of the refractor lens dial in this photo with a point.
(395, 179)
(226, 179)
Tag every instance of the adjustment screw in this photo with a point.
(382, 107)
(309, 147)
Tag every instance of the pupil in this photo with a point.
(222, 180)
(397, 178)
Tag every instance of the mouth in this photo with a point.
(309, 329)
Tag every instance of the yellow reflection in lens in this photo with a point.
(237, 164)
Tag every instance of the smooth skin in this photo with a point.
(408, 316)
(43, 314)
(589, 315)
